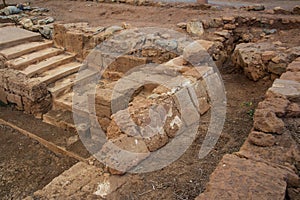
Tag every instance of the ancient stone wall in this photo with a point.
(80, 38)
(263, 59)
(267, 165)
(30, 96)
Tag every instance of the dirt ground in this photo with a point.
(105, 14)
(26, 166)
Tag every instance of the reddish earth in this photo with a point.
(21, 173)
(104, 14)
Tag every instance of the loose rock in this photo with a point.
(296, 10)
(195, 28)
(182, 25)
(261, 139)
(265, 120)
(256, 7)
(279, 10)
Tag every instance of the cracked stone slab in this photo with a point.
(81, 181)
(19, 36)
(240, 178)
(288, 88)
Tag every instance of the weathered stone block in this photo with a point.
(196, 54)
(284, 152)
(240, 178)
(277, 105)
(59, 34)
(125, 63)
(267, 56)
(294, 66)
(248, 57)
(293, 76)
(123, 153)
(293, 110)
(156, 141)
(265, 120)
(15, 99)
(277, 68)
(287, 88)
(3, 96)
(195, 28)
(74, 42)
(261, 139)
(39, 107)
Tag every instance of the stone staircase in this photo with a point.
(49, 73)
(41, 62)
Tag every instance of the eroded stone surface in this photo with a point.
(19, 36)
(277, 105)
(240, 178)
(282, 153)
(261, 59)
(261, 139)
(293, 110)
(123, 153)
(195, 28)
(294, 76)
(287, 88)
(81, 181)
(265, 120)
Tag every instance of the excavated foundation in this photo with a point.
(58, 80)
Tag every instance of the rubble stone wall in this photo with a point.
(268, 164)
(263, 59)
(31, 97)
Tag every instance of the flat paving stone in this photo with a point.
(10, 36)
(240, 178)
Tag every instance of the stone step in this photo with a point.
(55, 138)
(64, 119)
(59, 118)
(19, 36)
(65, 102)
(64, 85)
(28, 59)
(22, 49)
(47, 64)
(60, 72)
(82, 181)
